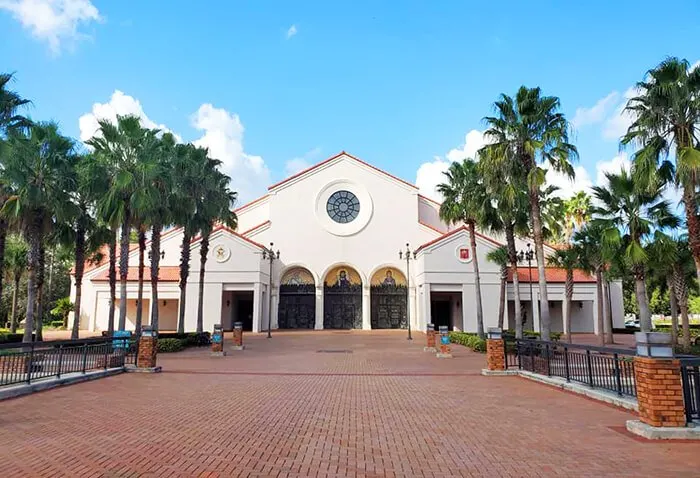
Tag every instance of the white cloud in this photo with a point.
(119, 104)
(567, 186)
(429, 175)
(614, 166)
(53, 21)
(617, 124)
(291, 31)
(223, 135)
(596, 113)
(300, 163)
(473, 142)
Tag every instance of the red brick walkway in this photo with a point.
(280, 408)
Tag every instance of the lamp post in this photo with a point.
(150, 255)
(527, 256)
(409, 255)
(270, 255)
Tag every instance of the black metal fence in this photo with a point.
(690, 373)
(606, 368)
(28, 362)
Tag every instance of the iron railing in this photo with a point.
(690, 374)
(28, 362)
(606, 368)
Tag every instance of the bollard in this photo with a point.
(430, 339)
(495, 349)
(217, 342)
(238, 336)
(444, 351)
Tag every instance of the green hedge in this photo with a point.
(469, 340)
(529, 334)
(171, 345)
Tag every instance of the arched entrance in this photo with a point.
(297, 306)
(342, 299)
(388, 299)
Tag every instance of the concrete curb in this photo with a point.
(133, 369)
(691, 432)
(499, 373)
(21, 389)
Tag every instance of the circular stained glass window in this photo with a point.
(343, 207)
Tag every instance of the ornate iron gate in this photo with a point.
(297, 307)
(388, 307)
(342, 307)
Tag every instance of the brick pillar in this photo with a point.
(659, 391)
(495, 354)
(238, 336)
(444, 351)
(217, 340)
(430, 339)
(148, 352)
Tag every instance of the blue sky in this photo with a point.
(273, 86)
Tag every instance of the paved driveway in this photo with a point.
(325, 404)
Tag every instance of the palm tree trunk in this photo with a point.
(155, 266)
(15, 289)
(607, 313)
(79, 270)
(640, 290)
(599, 311)
(674, 309)
(680, 287)
(3, 240)
(536, 218)
(112, 280)
(502, 303)
(568, 294)
(203, 252)
(693, 221)
(124, 263)
(184, 274)
(38, 320)
(33, 238)
(477, 281)
(513, 255)
(139, 294)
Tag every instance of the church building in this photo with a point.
(341, 228)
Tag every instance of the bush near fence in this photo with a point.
(509, 334)
(469, 340)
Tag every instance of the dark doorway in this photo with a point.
(297, 307)
(244, 311)
(441, 313)
(342, 307)
(388, 307)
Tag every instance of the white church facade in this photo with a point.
(339, 227)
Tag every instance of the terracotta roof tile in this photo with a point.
(165, 274)
(552, 274)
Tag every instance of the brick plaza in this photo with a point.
(325, 404)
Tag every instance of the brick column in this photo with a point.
(430, 339)
(444, 350)
(495, 354)
(238, 336)
(659, 391)
(217, 341)
(148, 351)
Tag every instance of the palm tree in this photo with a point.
(121, 144)
(38, 171)
(15, 265)
(508, 215)
(567, 259)
(577, 212)
(216, 204)
(628, 216)
(529, 130)
(588, 244)
(464, 201)
(666, 113)
(500, 258)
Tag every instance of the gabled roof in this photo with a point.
(227, 229)
(551, 274)
(250, 203)
(326, 161)
(257, 228)
(453, 233)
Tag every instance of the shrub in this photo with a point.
(469, 340)
(56, 324)
(529, 334)
(195, 339)
(170, 345)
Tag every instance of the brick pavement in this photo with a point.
(280, 408)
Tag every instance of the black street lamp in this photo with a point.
(150, 255)
(270, 255)
(409, 255)
(528, 256)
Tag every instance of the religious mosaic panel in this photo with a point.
(388, 296)
(342, 299)
(297, 306)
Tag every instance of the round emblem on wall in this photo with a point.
(463, 253)
(221, 253)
